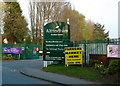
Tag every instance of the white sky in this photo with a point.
(104, 12)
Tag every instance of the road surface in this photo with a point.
(11, 74)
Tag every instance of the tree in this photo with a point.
(88, 31)
(99, 32)
(15, 26)
(1, 15)
(41, 13)
(77, 22)
(28, 38)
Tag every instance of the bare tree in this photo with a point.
(42, 12)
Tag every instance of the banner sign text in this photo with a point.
(16, 50)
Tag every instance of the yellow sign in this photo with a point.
(73, 55)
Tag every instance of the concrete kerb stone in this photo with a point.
(42, 79)
(53, 77)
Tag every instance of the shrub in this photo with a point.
(102, 69)
(8, 57)
(93, 62)
(114, 65)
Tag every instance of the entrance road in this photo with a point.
(11, 74)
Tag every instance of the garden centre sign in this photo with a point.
(113, 51)
(16, 50)
(56, 37)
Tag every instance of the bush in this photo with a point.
(114, 65)
(102, 69)
(8, 57)
(93, 62)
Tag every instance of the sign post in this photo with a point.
(56, 38)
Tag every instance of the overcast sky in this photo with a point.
(104, 12)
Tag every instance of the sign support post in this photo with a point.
(19, 56)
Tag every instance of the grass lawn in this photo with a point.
(82, 73)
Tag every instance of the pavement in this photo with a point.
(38, 73)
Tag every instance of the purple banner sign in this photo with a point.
(16, 50)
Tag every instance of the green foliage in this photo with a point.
(102, 69)
(8, 57)
(85, 73)
(114, 65)
(28, 38)
(78, 26)
(97, 66)
(15, 26)
(93, 62)
(99, 32)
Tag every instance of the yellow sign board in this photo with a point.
(73, 55)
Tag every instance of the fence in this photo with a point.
(27, 50)
(94, 47)
(89, 47)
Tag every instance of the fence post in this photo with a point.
(85, 50)
(108, 40)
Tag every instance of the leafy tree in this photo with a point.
(28, 38)
(77, 23)
(99, 32)
(88, 31)
(15, 26)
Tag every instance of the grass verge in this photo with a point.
(87, 73)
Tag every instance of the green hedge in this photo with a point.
(114, 65)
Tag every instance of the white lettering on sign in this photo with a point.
(56, 34)
(54, 41)
(56, 31)
(61, 45)
(55, 49)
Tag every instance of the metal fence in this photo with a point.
(89, 47)
(95, 47)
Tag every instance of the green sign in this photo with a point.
(56, 37)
